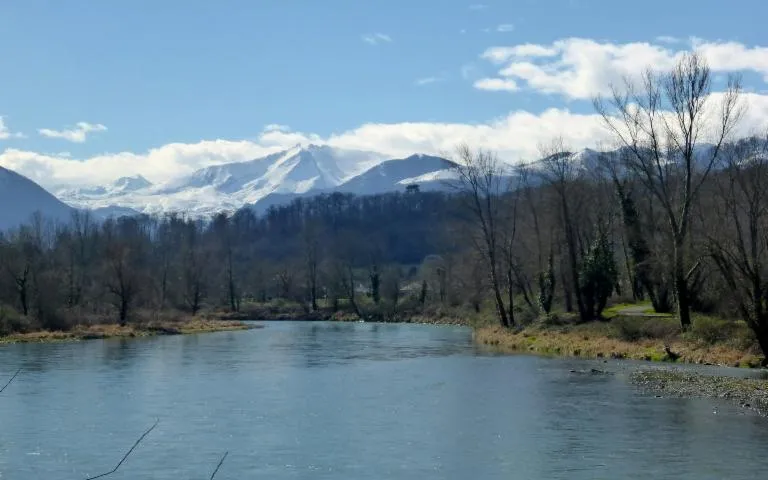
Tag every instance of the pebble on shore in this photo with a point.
(748, 393)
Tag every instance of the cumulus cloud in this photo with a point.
(496, 84)
(505, 27)
(580, 68)
(77, 134)
(272, 127)
(6, 133)
(515, 137)
(376, 38)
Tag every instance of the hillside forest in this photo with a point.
(674, 213)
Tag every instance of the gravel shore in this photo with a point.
(750, 393)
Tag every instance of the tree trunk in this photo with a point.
(761, 332)
(681, 286)
(313, 290)
(123, 311)
(23, 290)
(567, 294)
(500, 310)
(511, 295)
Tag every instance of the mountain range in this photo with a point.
(20, 198)
(258, 183)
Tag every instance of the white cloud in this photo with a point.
(427, 80)
(581, 68)
(376, 38)
(276, 127)
(515, 137)
(505, 27)
(78, 134)
(501, 54)
(6, 133)
(496, 84)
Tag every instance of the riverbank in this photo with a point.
(748, 393)
(637, 335)
(148, 329)
(625, 339)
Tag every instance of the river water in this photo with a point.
(351, 401)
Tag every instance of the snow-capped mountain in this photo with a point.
(388, 176)
(301, 170)
(119, 187)
(393, 175)
(20, 198)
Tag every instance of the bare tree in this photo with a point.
(195, 259)
(123, 255)
(16, 259)
(222, 233)
(662, 125)
(560, 172)
(312, 261)
(738, 233)
(481, 183)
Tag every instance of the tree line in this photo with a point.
(674, 212)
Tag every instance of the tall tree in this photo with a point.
(738, 233)
(562, 175)
(481, 184)
(662, 125)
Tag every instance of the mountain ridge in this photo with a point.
(296, 171)
(21, 198)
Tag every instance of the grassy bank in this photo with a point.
(144, 329)
(710, 341)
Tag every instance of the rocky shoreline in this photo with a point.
(748, 393)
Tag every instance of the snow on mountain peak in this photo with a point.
(133, 183)
(297, 170)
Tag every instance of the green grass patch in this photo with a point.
(617, 309)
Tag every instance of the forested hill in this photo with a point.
(55, 274)
(400, 228)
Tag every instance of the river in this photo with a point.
(351, 401)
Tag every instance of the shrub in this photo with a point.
(12, 322)
(712, 330)
(632, 329)
(525, 315)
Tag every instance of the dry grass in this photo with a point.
(145, 329)
(601, 340)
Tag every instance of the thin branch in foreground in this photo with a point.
(11, 380)
(219, 465)
(127, 454)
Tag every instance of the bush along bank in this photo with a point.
(90, 328)
(653, 338)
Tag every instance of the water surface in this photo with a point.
(351, 401)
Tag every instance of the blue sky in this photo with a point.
(147, 73)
